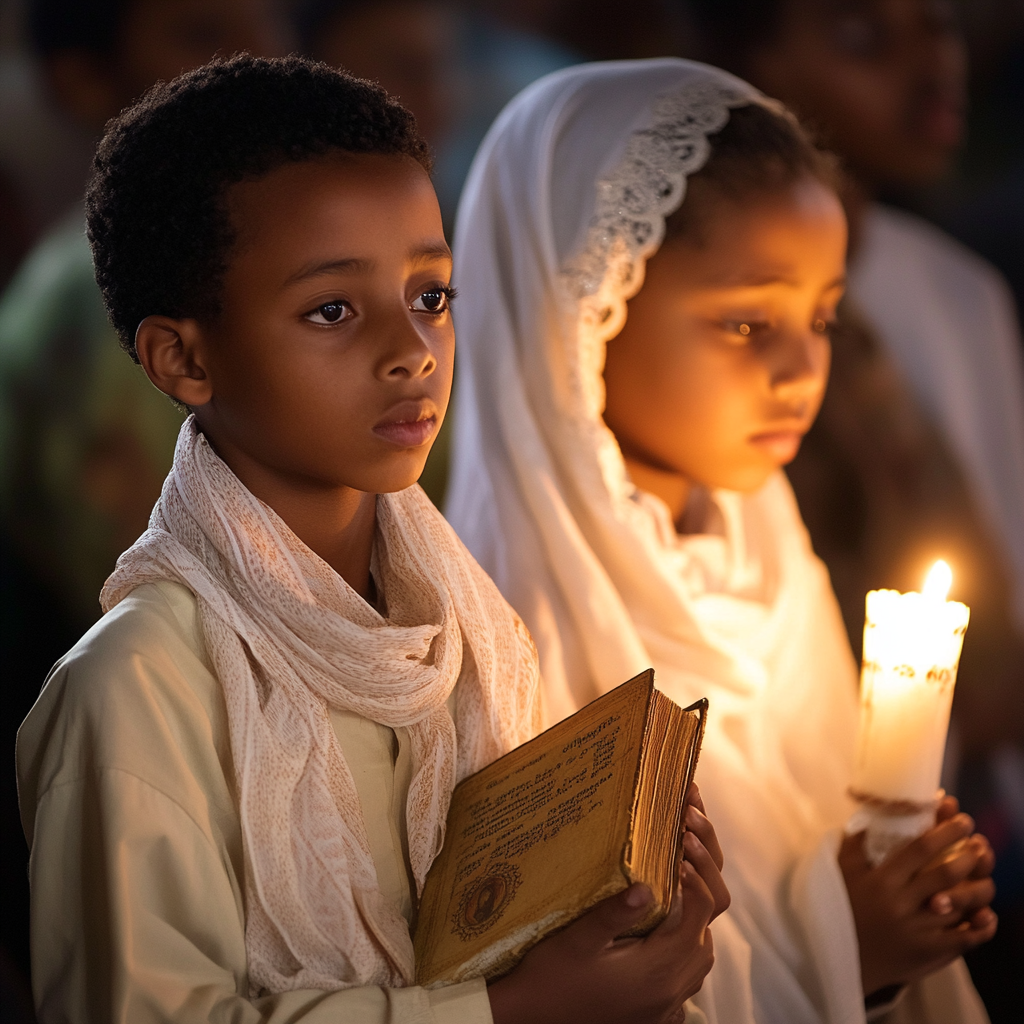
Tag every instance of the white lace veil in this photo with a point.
(566, 201)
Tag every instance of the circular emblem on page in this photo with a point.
(483, 900)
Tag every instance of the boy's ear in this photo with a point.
(171, 353)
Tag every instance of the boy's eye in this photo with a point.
(434, 300)
(329, 313)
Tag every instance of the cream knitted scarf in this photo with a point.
(289, 639)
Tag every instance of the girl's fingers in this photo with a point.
(984, 922)
(974, 932)
(962, 901)
(699, 825)
(986, 856)
(948, 943)
(908, 861)
(696, 853)
(948, 808)
(943, 874)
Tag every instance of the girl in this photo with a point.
(632, 508)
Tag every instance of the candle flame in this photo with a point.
(938, 581)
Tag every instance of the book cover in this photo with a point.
(568, 819)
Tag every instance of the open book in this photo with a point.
(574, 816)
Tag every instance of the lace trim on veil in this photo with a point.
(628, 226)
(633, 202)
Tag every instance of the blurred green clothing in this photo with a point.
(85, 438)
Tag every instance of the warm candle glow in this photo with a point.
(911, 651)
(938, 581)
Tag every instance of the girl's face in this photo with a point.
(722, 364)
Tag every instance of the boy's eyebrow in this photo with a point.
(355, 263)
(431, 251)
(421, 254)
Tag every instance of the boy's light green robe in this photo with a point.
(127, 798)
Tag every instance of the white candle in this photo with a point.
(912, 646)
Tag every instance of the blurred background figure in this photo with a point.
(983, 202)
(454, 67)
(919, 449)
(598, 29)
(85, 440)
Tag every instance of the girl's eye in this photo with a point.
(740, 331)
(329, 313)
(434, 300)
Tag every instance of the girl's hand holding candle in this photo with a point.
(919, 888)
(920, 909)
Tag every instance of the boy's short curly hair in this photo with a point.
(157, 219)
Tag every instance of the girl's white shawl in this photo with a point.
(289, 639)
(564, 204)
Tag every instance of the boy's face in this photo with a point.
(883, 80)
(330, 364)
(722, 364)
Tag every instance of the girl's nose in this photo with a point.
(800, 365)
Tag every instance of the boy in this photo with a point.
(235, 783)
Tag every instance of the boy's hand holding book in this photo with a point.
(702, 849)
(586, 973)
(579, 872)
(544, 834)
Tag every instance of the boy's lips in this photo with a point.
(408, 424)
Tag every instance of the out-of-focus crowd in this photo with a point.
(920, 445)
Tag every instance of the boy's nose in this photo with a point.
(407, 355)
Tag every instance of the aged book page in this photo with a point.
(552, 828)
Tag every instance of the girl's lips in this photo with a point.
(780, 446)
(407, 433)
